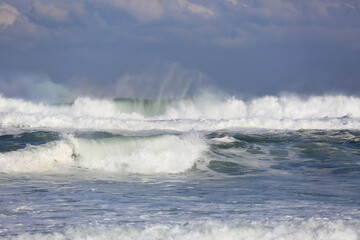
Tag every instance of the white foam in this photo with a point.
(48, 157)
(159, 154)
(206, 230)
(206, 112)
(267, 107)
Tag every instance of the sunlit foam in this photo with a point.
(146, 155)
(206, 112)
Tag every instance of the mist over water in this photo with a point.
(162, 81)
(210, 166)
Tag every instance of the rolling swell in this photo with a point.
(305, 152)
(228, 153)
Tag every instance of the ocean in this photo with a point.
(206, 167)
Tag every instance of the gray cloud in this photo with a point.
(234, 42)
(50, 11)
(227, 22)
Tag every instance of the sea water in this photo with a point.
(202, 168)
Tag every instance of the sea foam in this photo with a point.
(146, 155)
(206, 113)
(205, 230)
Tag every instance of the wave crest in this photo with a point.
(206, 112)
(145, 155)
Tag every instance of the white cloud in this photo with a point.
(199, 9)
(8, 14)
(186, 6)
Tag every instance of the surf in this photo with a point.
(206, 112)
(321, 229)
(118, 154)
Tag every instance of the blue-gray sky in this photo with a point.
(142, 48)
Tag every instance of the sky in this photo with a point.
(53, 50)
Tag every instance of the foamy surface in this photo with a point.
(320, 229)
(210, 167)
(206, 113)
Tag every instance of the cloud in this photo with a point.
(8, 14)
(199, 9)
(233, 2)
(143, 10)
(50, 11)
(276, 9)
(280, 21)
(235, 23)
(59, 12)
(188, 7)
(150, 10)
(33, 22)
(23, 33)
(320, 8)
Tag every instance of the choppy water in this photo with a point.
(181, 169)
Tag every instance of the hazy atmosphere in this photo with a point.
(54, 50)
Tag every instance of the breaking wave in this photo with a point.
(145, 155)
(320, 229)
(205, 113)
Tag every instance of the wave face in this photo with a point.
(205, 113)
(146, 155)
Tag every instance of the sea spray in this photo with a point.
(204, 113)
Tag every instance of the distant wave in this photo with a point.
(206, 112)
